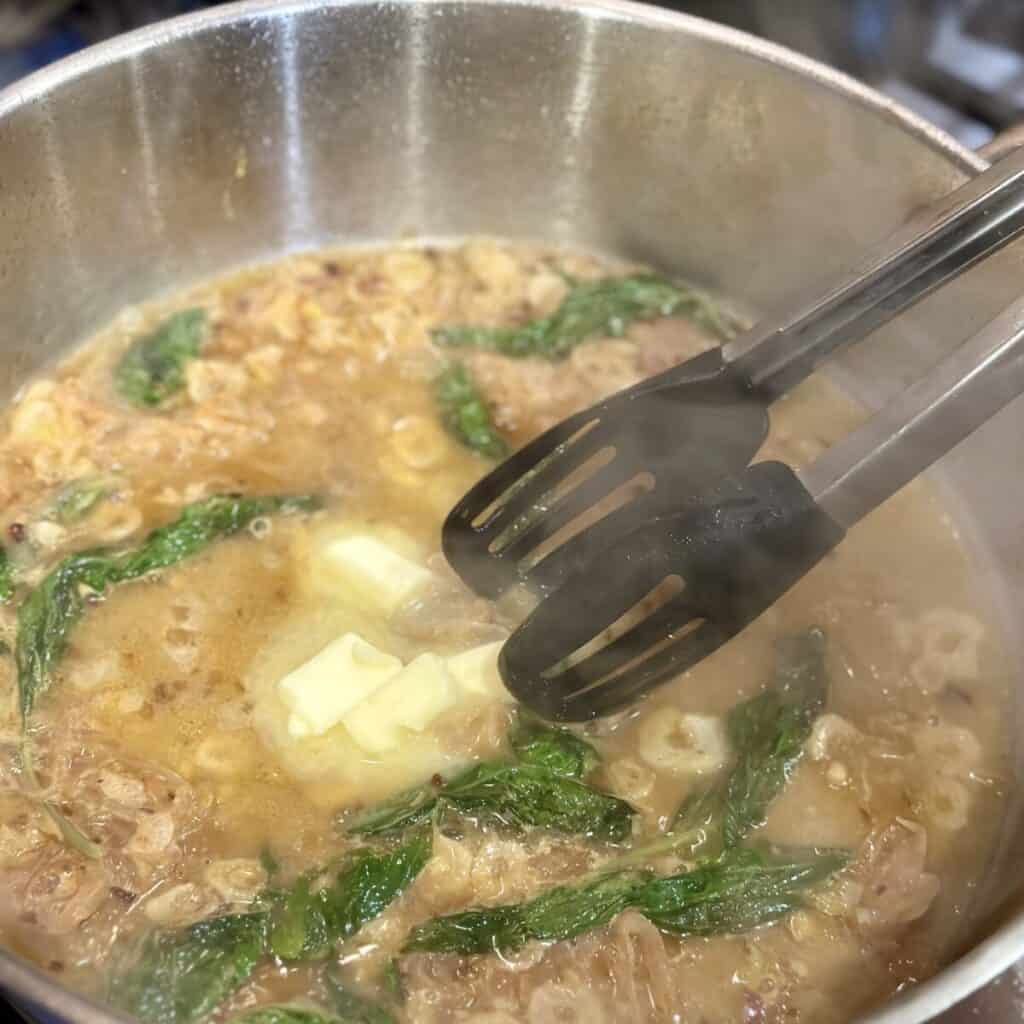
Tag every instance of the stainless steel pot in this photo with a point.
(239, 134)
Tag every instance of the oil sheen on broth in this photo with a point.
(187, 730)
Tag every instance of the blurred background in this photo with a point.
(34, 33)
(959, 63)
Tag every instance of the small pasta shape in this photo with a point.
(839, 898)
(94, 673)
(946, 803)
(281, 314)
(803, 926)
(261, 527)
(829, 733)
(181, 904)
(391, 327)
(225, 756)
(419, 442)
(47, 535)
(329, 334)
(409, 271)
(545, 290)
(493, 266)
(949, 644)
(153, 835)
(682, 744)
(182, 646)
(949, 750)
(952, 638)
(629, 779)
(837, 775)
(210, 379)
(239, 880)
(36, 418)
(130, 702)
(264, 363)
(124, 790)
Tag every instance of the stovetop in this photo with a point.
(958, 63)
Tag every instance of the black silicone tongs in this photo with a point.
(676, 434)
(735, 550)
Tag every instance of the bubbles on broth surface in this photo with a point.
(164, 736)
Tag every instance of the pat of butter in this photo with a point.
(320, 692)
(476, 671)
(375, 572)
(410, 700)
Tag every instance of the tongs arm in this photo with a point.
(970, 224)
(922, 423)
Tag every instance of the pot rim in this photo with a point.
(35, 86)
(953, 983)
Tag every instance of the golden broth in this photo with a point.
(315, 379)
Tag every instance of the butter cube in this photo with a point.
(374, 571)
(410, 700)
(320, 692)
(476, 672)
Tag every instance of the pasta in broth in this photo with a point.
(257, 761)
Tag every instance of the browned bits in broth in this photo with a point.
(188, 731)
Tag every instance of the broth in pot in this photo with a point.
(257, 759)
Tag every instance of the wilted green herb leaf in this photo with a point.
(6, 577)
(515, 795)
(391, 981)
(298, 925)
(46, 616)
(471, 931)
(75, 501)
(571, 910)
(464, 412)
(309, 918)
(522, 795)
(400, 812)
(545, 746)
(605, 307)
(741, 890)
(767, 734)
(70, 832)
(45, 619)
(269, 862)
(182, 975)
(153, 367)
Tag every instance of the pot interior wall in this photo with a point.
(245, 134)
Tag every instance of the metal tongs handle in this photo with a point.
(969, 224)
(922, 423)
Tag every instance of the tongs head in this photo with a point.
(694, 424)
(666, 595)
(559, 501)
